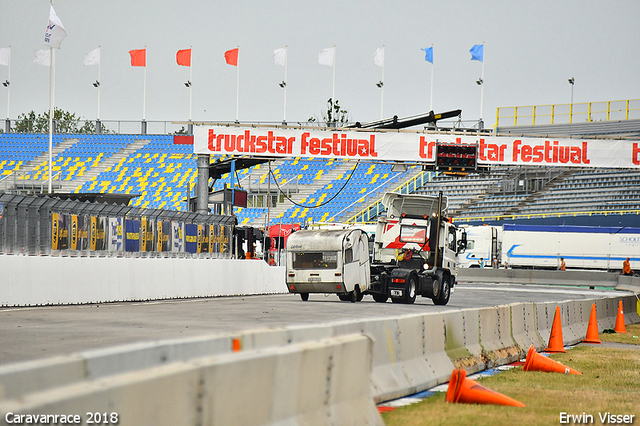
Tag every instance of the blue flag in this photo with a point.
(428, 54)
(477, 52)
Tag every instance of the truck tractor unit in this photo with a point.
(415, 251)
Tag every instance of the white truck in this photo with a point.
(415, 252)
(543, 246)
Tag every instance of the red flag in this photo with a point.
(183, 57)
(231, 56)
(138, 57)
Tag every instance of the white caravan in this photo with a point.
(328, 261)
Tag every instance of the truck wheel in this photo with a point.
(356, 296)
(345, 297)
(410, 294)
(304, 296)
(445, 293)
(380, 298)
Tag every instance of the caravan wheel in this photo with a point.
(304, 296)
(356, 296)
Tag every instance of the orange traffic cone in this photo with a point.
(468, 391)
(620, 328)
(537, 362)
(556, 343)
(592, 328)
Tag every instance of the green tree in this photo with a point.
(335, 116)
(65, 122)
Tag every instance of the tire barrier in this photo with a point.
(406, 354)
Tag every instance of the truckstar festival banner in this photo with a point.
(414, 147)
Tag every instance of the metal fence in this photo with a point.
(588, 112)
(43, 226)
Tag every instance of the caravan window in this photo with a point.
(348, 255)
(325, 260)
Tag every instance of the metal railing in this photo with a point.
(22, 181)
(588, 112)
(44, 226)
(160, 127)
(490, 218)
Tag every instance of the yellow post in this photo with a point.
(570, 113)
(627, 109)
(533, 118)
(589, 110)
(515, 116)
(553, 108)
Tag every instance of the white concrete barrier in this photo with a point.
(46, 280)
(407, 354)
(524, 326)
(630, 313)
(495, 335)
(462, 340)
(25, 377)
(315, 383)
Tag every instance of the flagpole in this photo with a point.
(286, 61)
(99, 65)
(431, 98)
(190, 81)
(333, 91)
(382, 89)
(8, 89)
(482, 88)
(144, 89)
(52, 91)
(238, 84)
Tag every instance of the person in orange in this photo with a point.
(626, 268)
(563, 266)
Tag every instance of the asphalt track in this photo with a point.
(33, 333)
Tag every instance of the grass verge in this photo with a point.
(610, 383)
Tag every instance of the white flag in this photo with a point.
(5, 56)
(92, 58)
(280, 57)
(55, 31)
(326, 56)
(43, 57)
(378, 57)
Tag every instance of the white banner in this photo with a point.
(114, 242)
(415, 147)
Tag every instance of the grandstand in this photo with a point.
(305, 190)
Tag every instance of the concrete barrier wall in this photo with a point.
(408, 354)
(325, 382)
(544, 277)
(34, 280)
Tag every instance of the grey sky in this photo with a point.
(531, 49)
